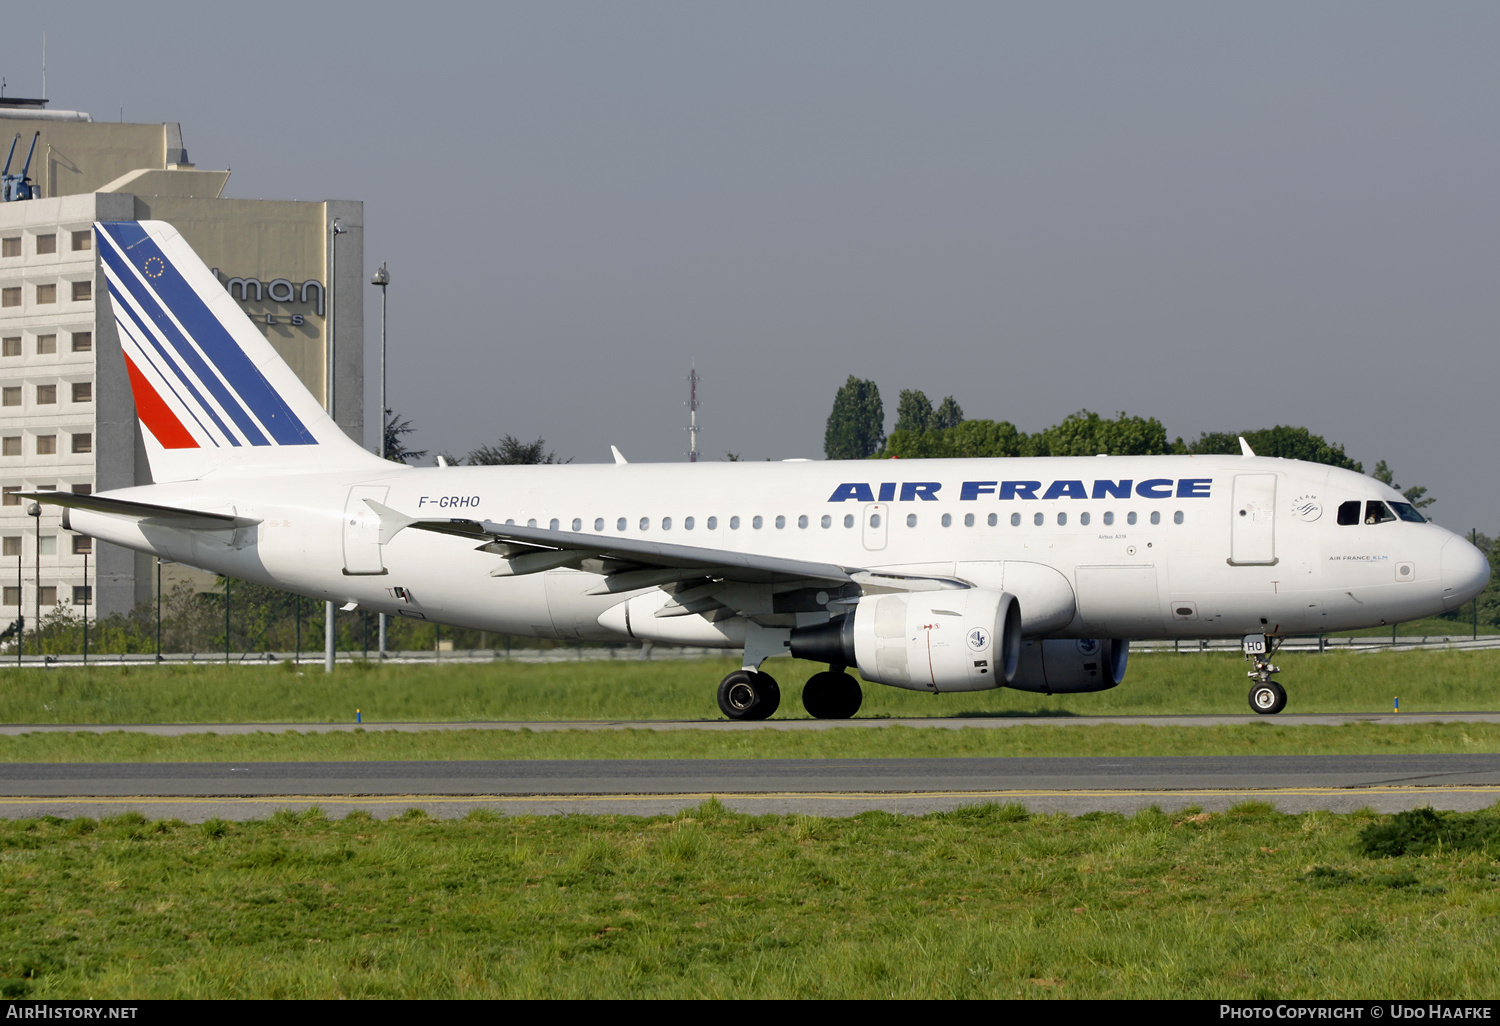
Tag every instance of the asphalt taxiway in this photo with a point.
(198, 791)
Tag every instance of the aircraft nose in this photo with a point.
(1465, 572)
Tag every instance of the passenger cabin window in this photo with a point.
(1349, 513)
(713, 523)
(1377, 513)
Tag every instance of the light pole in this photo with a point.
(335, 229)
(382, 278)
(35, 511)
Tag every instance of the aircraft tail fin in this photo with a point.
(211, 393)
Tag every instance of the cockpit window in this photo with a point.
(1349, 513)
(1376, 512)
(1406, 511)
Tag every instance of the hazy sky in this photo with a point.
(1224, 216)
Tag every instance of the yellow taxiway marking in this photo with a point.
(365, 799)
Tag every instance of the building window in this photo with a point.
(12, 596)
(46, 244)
(49, 595)
(12, 545)
(46, 445)
(83, 291)
(10, 495)
(47, 544)
(11, 346)
(46, 345)
(83, 240)
(46, 293)
(83, 489)
(11, 247)
(83, 442)
(83, 391)
(82, 543)
(46, 395)
(10, 445)
(10, 296)
(82, 594)
(83, 341)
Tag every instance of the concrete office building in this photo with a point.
(67, 418)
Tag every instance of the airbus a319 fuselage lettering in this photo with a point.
(947, 575)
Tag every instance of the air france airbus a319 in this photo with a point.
(933, 575)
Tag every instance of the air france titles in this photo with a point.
(926, 491)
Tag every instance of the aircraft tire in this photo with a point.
(832, 695)
(748, 695)
(1268, 698)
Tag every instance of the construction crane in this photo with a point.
(18, 186)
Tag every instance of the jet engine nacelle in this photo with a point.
(959, 640)
(1061, 667)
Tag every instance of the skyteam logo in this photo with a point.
(978, 639)
(194, 386)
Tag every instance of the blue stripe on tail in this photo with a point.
(252, 393)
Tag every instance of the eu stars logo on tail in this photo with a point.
(210, 391)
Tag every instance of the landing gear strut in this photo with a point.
(749, 695)
(1266, 696)
(832, 695)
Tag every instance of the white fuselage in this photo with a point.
(1191, 547)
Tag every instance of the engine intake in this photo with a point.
(1065, 667)
(959, 640)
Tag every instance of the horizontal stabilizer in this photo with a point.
(146, 512)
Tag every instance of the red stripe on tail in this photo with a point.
(155, 414)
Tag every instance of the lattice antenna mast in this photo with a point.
(693, 415)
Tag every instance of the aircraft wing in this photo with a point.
(146, 512)
(631, 563)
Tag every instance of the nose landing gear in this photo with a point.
(1266, 696)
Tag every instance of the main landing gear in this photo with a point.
(753, 695)
(832, 695)
(1266, 696)
(749, 695)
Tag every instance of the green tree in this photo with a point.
(970, 439)
(1086, 433)
(396, 430)
(511, 451)
(949, 415)
(856, 425)
(914, 412)
(1416, 495)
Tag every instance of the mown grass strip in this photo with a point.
(1261, 738)
(980, 902)
(1202, 683)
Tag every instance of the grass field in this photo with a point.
(631, 690)
(1261, 738)
(974, 903)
